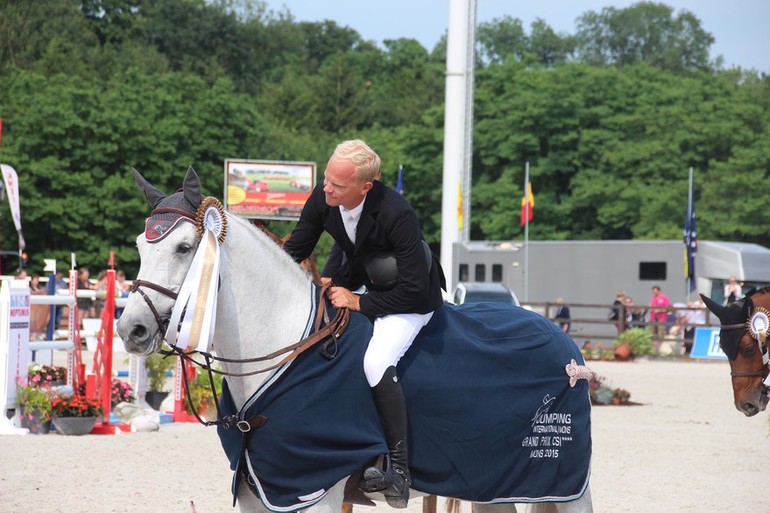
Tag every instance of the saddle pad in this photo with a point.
(492, 417)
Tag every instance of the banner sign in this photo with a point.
(14, 336)
(706, 344)
(265, 189)
(12, 189)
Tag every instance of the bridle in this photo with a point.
(330, 332)
(764, 371)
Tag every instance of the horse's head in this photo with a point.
(166, 249)
(743, 338)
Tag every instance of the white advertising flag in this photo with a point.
(11, 180)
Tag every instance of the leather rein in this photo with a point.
(330, 332)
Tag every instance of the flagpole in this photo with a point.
(526, 234)
(690, 276)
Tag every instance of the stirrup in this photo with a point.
(372, 480)
(393, 497)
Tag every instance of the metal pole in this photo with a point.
(526, 233)
(454, 135)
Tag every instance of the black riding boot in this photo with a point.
(394, 479)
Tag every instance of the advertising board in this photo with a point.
(268, 189)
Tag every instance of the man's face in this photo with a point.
(341, 187)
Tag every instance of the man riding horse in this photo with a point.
(368, 220)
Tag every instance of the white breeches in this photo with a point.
(393, 334)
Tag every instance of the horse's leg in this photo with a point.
(331, 503)
(507, 507)
(581, 505)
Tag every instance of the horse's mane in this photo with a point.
(274, 245)
(755, 291)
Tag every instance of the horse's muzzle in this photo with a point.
(753, 406)
(137, 338)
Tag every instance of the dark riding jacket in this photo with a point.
(387, 224)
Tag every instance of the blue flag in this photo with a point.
(690, 240)
(400, 181)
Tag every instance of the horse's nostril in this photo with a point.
(749, 409)
(138, 332)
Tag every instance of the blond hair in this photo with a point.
(367, 162)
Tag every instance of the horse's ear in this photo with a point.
(153, 195)
(192, 188)
(712, 305)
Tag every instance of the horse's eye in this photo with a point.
(184, 248)
(749, 350)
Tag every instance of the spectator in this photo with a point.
(694, 316)
(562, 315)
(34, 285)
(732, 291)
(634, 314)
(659, 305)
(38, 314)
(100, 286)
(85, 304)
(60, 285)
(121, 290)
(616, 311)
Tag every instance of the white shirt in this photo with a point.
(350, 218)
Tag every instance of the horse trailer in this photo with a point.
(593, 271)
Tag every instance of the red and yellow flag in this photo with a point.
(527, 205)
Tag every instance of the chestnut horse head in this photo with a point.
(743, 338)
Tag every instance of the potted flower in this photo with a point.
(35, 407)
(632, 343)
(75, 414)
(157, 367)
(202, 396)
(50, 375)
(121, 392)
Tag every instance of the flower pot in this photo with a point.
(74, 425)
(155, 398)
(30, 418)
(623, 352)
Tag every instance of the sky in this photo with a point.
(740, 27)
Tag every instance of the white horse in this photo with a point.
(264, 300)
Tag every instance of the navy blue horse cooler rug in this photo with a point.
(492, 415)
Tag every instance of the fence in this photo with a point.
(591, 322)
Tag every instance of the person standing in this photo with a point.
(732, 291)
(659, 305)
(562, 315)
(694, 316)
(367, 219)
(85, 304)
(616, 312)
(634, 315)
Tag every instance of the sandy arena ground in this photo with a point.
(685, 449)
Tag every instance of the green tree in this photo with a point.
(647, 32)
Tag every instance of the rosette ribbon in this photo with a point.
(193, 318)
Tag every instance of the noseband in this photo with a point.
(135, 287)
